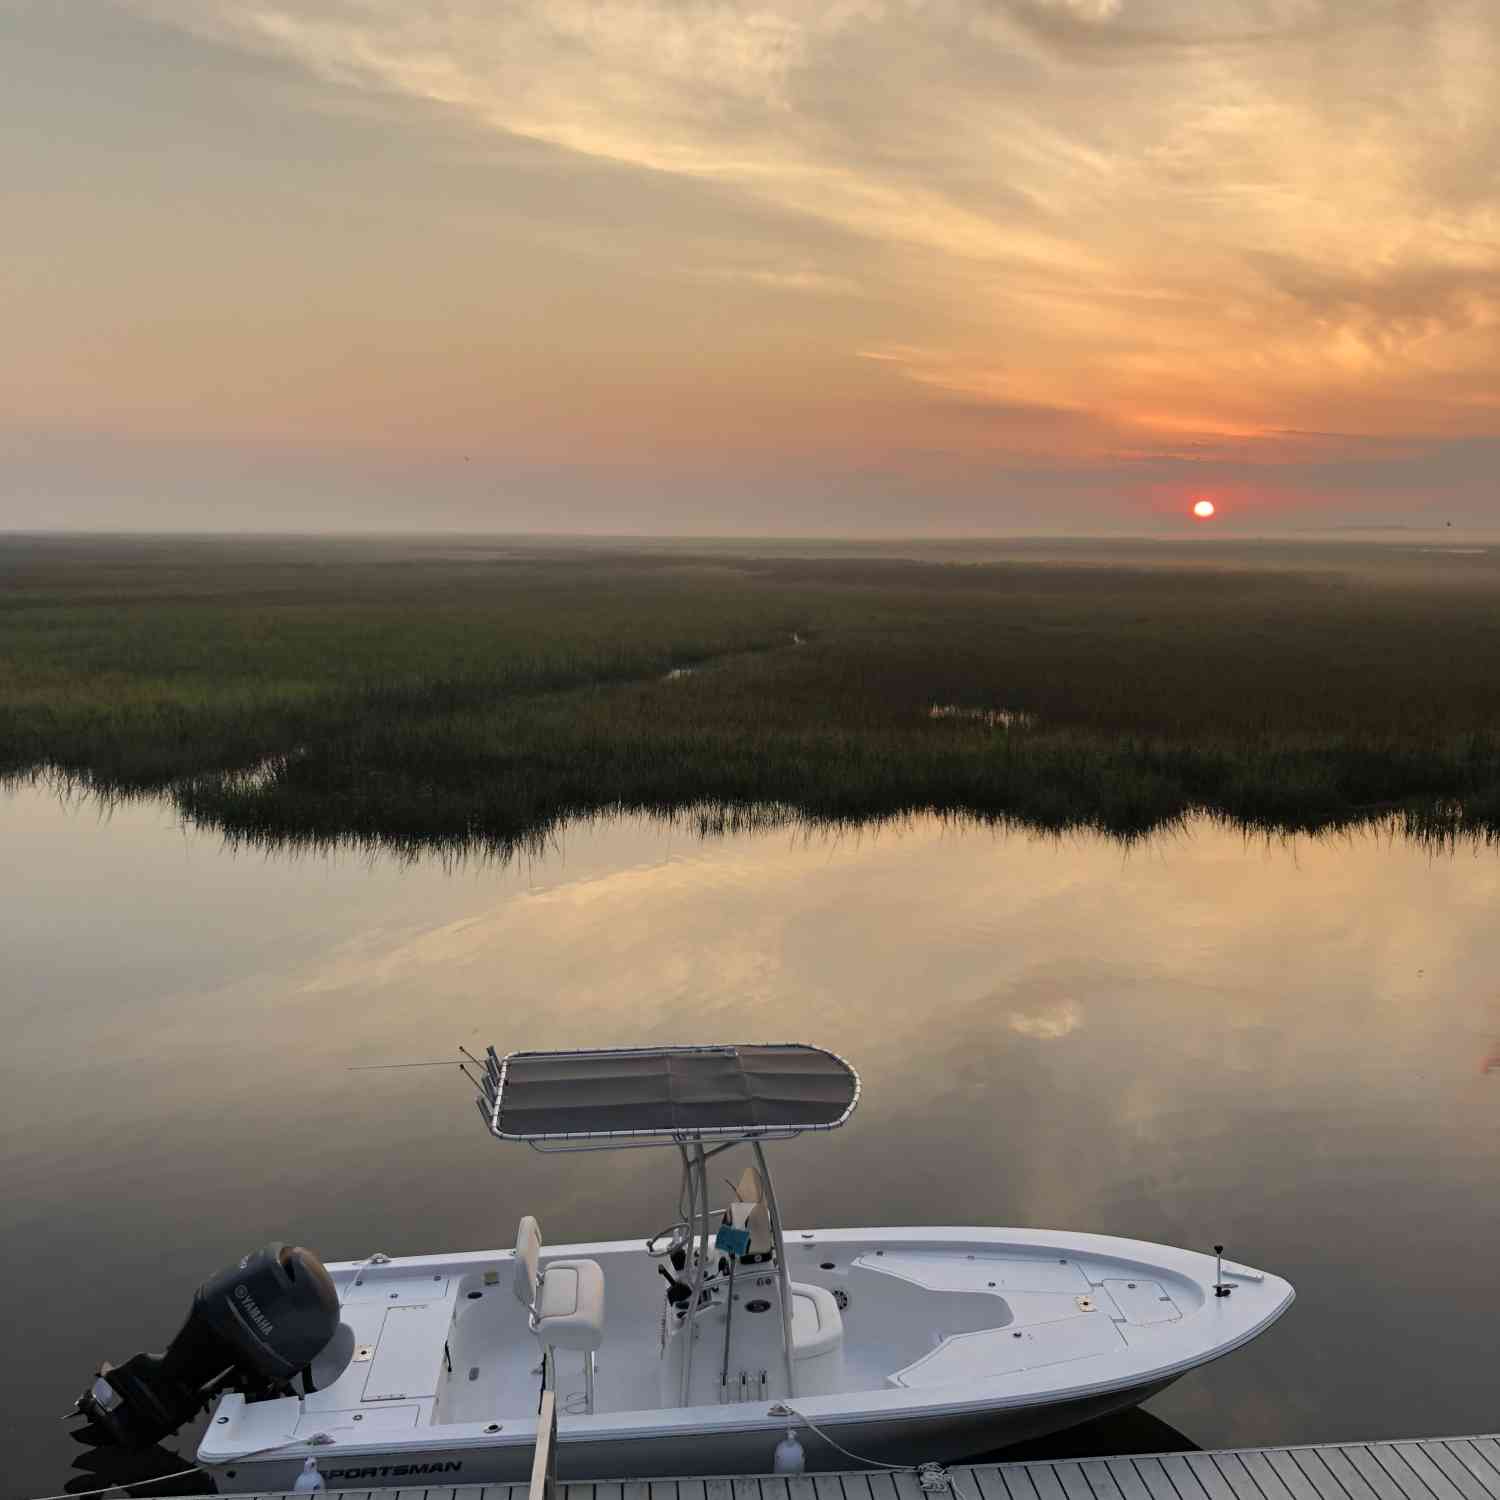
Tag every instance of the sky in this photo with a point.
(861, 267)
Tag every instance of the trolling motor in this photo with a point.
(256, 1325)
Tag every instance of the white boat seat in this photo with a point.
(570, 1313)
(817, 1323)
(565, 1301)
(817, 1341)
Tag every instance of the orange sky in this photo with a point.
(700, 265)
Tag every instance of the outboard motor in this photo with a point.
(254, 1325)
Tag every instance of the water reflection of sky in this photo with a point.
(1280, 1046)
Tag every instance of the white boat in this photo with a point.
(694, 1352)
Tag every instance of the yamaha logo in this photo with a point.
(251, 1310)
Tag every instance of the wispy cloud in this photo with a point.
(788, 278)
(1291, 198)
(1051, 1023)
(1083, 227)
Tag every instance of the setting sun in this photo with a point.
(1204, 510)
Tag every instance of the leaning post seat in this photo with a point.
(565, 1302)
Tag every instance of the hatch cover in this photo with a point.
(1143, 1301)
(409, 1353)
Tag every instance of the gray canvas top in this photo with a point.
(672, 1092)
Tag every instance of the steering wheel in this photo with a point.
(681, 1236)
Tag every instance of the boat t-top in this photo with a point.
(690, 1352)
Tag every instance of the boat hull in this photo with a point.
(905, 1440)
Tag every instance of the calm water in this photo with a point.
(1282, 1047)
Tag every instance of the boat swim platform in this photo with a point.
(1454, 1468)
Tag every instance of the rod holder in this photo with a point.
(1221, 1287)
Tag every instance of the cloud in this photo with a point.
(791, 279)
(1093, 228)
(1089, 12)
(1393, 310)
(1049, 1024)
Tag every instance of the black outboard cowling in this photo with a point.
(253, 1326)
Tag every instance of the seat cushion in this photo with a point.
(528, 1247)
(570, 1314)
(817, 1323)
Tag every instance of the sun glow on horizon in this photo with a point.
(1204, 510)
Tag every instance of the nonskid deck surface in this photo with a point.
(1455, 1468)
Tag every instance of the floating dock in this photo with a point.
(1455, 1468)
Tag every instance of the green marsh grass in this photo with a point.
(479, 692)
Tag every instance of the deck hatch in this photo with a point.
(1143, 1302)
(378, 1418)
(409, 1353)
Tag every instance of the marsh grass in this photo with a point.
(480, 693)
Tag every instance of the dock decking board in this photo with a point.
(1464, 1451)
(1444, 1458)
(1456, 1468)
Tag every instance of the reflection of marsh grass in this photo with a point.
(468, 691)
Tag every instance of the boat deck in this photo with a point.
(1456, 1468)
